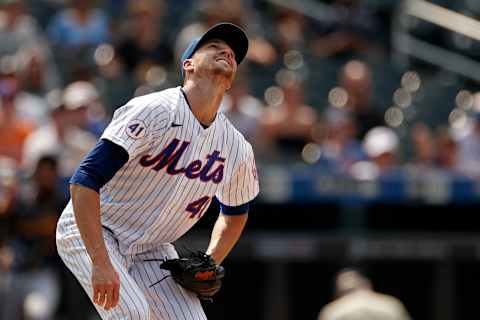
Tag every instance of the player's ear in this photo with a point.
(187, 65)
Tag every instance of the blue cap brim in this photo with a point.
(232, 34)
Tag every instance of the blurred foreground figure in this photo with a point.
(356, 300)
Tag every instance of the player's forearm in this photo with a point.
(86, 206)
(225, 234)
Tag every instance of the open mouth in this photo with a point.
(223, 59)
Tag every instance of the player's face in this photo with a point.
(217, 58)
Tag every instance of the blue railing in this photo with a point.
(312, 184)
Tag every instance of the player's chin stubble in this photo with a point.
(227, 73)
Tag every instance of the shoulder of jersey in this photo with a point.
(230, 127)
(165, 100)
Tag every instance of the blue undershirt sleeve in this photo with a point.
(234, 211)
(100, 165)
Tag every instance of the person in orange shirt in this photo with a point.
(13, 130)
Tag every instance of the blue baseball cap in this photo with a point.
(232, 34)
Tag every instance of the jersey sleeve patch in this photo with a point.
(136, 129)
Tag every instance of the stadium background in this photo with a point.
(398, 202)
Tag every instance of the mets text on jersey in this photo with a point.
(170, 156)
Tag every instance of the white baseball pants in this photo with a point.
(138, 301)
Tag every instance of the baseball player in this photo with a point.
(150, 178)
(357, 300)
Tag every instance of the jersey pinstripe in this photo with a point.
(174, 170)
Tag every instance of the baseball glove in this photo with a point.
(196, 272)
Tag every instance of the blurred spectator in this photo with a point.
(74, 32)
(79, 25)
(340, 147)
(33, 273)
(20, 36)
(114, 83)
(8, 206)
(43, 201)
(424, 146)
(63, 137)
(291, 31)
(19, 30)
(30, 101)
(8, 195)
(243, 109)
(44, 10)
(114, 8)
(215, 11)
(469, 150)
(355, 299)
(287, 124)
(6, 259)
(13, 129)
(144, 38)
(447, 154)
(37, 74)
(356, 79)
(29, 105)
(143, 48)
(84, 99)
(381, 145)
(349, 29)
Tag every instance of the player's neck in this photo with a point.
(204, 100)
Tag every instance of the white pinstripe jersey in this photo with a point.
(174, 170)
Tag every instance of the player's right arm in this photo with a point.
(96, 169)
(105, 280)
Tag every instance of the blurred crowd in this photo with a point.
(309, 93)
